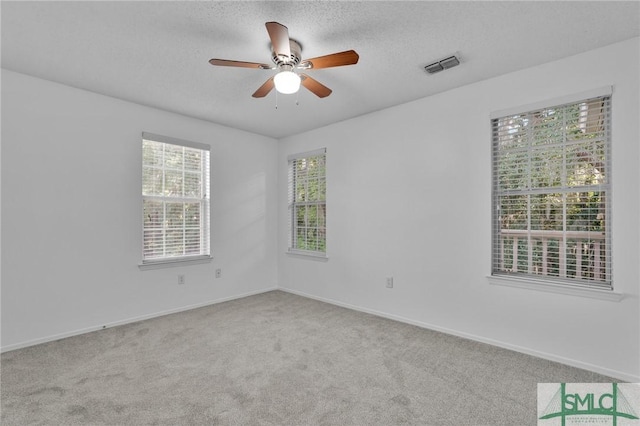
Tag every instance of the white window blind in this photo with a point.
(307, 203)
(175, 198)
(551, 194)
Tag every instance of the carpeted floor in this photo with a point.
(273, 359)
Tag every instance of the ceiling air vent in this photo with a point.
(442, 64)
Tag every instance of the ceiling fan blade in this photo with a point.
(264, 89)
(279, 35)
(348, 57)
(241, 64)
(314, 86)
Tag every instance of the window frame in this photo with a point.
(562, 284)
(204, 200)
(293, 204)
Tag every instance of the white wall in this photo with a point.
(409, 196)
(71, 212)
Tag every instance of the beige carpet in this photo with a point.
(273, 359)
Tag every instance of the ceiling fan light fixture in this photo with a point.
(287, 82)
(286, 54)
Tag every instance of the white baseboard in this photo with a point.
(128, 321)
(544, 355)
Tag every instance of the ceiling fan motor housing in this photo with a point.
(293, 60)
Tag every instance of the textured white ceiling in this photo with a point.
(156, 53)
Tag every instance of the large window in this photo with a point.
(307, 203)
(175, 199)
(551, 194)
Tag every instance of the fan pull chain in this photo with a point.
(276, 99)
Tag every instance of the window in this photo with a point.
(307, 203)
(551, 194)
(175, 199)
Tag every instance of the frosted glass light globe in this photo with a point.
(287, 82)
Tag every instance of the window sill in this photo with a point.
(310, 255)
(171, 263)
(555, 288)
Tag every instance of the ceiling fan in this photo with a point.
(286, 54)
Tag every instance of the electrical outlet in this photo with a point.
(181, 279)
(389, 282)
(218, 273)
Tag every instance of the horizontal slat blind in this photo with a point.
(307, 202)
(175, 197)
(551, 193)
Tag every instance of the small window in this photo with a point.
(551, 194)
(307, 203)
(175, 200)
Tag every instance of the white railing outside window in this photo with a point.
(571, 254)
